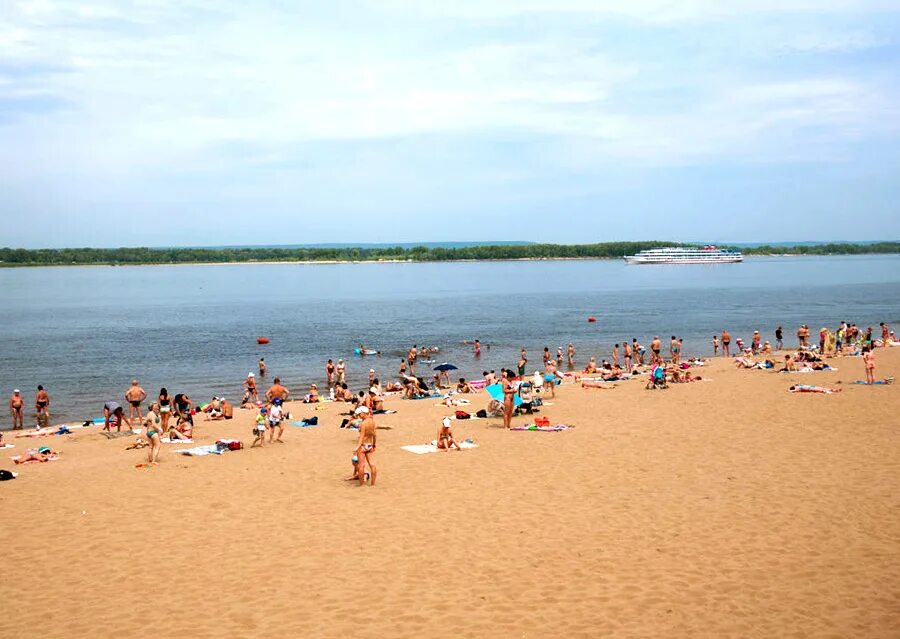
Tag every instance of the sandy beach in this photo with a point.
(721, 508)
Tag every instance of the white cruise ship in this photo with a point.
(678, 255)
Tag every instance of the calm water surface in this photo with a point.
(84, 332)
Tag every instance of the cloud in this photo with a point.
(132, 95)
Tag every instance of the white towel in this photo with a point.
(421, 449)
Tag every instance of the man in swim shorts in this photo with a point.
(726, 343)
(17, 409)
(277, 391)
(42, 404)
(655, 346)
(134, 396)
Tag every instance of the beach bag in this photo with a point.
(235, 445)
(461, 414)
(481, 413)
(312, 421)
(6, 475)
(541, 421)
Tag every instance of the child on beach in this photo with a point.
(275, 416)
(869, 360)
(259, 430)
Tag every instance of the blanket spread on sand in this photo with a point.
(199, 451)
(422, 449)
(545, 429)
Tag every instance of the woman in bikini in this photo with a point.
(445, 439)
(165, 408)
(365, 446)
(152, 432)
(509, 393)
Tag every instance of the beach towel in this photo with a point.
(304, 424)
(8, 446)
(878, 382)
(422, 449)
(199, 451)
(545, 429)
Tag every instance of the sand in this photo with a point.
(728, 508)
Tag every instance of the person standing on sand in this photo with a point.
(365, 446)
(726, 343)
(152, 433)
(262, 366)
(715, 345)
(885, 335)
(509, 394)
(17, 409)
(520, 365)
(42, 404)
(329, 373)
(674, 349)
(571, 353)
(655, 346)
(135, 395)
(637, 351)
(779, 341)
(276, 415)
(250, 392)
(402, 371)
(614, 355)
(626, 353)
(869, 360)
(277, 391)
(340, 372)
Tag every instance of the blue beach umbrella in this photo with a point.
(496, 392)
(445, 367)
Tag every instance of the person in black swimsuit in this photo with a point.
(165, 409)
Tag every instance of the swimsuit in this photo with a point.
(135, 403)
(151, 433)
(368, 448)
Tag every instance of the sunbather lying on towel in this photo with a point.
(42, 454)
(804, 388)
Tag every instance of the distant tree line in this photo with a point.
(144, 255)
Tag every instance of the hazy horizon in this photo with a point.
(568, 121)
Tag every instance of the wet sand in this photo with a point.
(727, 508)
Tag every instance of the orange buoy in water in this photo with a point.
(592, 319)
(262, 340)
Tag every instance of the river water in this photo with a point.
(84, 332)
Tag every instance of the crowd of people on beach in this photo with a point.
(170, 418)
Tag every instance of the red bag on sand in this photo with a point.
(461, 414)
(235, 445)
(541, 421)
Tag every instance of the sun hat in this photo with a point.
(250, 375)
(16, 391)
(371, 370)
(44, 450)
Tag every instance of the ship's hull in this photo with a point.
(634, 259)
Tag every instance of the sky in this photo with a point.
(226, 122)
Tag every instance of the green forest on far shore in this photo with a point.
(10, 257)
